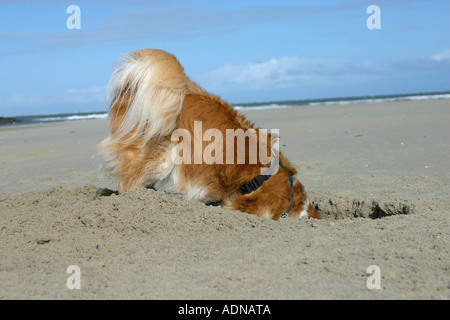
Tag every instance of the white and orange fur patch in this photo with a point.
(150, 98)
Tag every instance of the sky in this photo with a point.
(244, 51)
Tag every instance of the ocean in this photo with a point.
(77, 116)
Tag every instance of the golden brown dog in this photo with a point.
(158, 116)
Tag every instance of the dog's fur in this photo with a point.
(150, 98)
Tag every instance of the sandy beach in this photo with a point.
(377, 172)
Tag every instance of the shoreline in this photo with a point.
(252, 106)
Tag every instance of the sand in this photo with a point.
(377, 172)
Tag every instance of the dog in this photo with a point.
(152, 101)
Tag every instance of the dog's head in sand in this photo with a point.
(170, 134)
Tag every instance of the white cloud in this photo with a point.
(288, 71)
(92, 98)
(440, 61)
(442, 56)
(257, 74)
(294, 71)
(93, 89)
(93, 94)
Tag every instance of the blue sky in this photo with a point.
(244, 51)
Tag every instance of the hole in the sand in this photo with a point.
(105, 192)
(340, 208)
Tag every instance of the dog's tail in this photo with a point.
(146, 91)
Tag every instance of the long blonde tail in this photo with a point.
(154, 84)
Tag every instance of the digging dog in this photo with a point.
(153, 104)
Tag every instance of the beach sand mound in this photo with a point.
(147, 244)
